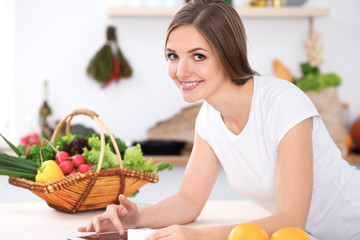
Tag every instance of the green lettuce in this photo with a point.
(134, 159)
(110, 159)
(314, 80)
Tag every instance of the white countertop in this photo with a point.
(37, 221)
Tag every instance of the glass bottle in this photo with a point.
(45, 109)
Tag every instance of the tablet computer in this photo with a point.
(101, 236)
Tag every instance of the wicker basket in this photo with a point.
(91, 190)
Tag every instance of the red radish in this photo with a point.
(73, 172)
(78, 160)
(62, 156)
(83, 168)
(66, 166)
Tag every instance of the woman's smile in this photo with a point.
(189, 85)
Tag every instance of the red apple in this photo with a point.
(78, 160)
(66, 167)
(62, 156)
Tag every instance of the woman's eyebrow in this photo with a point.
(197, 49)
(169, 50)
(190, 51)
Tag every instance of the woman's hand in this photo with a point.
(115, 218)
(177, 232)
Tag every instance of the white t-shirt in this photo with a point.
(250, 158)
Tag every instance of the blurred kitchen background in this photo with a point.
(55, 41)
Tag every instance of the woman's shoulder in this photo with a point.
(273, 84)
(276, 88)
(206, 117)
(272, 90)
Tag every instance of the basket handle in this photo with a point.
(101, 124)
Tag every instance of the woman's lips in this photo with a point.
(189, 85)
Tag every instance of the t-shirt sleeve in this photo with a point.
(290, 108)
(200, 123)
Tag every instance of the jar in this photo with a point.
(279, 3)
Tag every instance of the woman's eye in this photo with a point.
(199, 57)
(172, 56)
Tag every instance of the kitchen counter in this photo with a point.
(35, 221)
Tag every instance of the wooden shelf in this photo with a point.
(174, 160)
(244, 12)
(353, 159)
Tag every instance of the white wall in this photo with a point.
(56, 39)
(7, 68)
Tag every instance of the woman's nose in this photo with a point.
(183, 70)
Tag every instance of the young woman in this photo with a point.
(264, 132)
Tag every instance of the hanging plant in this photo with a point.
(109, 63)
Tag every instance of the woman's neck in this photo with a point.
(234, 104)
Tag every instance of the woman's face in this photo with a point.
(193, 65)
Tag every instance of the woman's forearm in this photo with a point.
(217, 232)
(178, 210)
(174, 210)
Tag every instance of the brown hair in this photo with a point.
(222, 27)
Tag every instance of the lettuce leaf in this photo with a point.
(61, 141)
(93, 155)
(134, 159)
